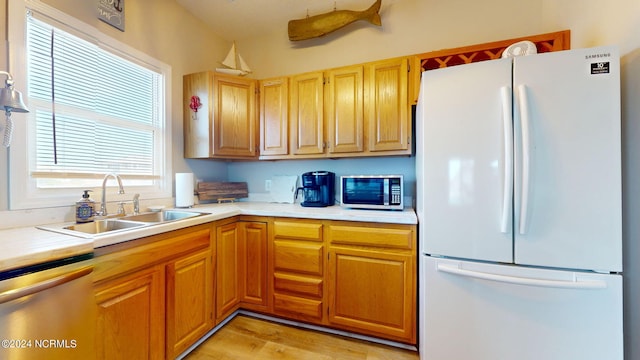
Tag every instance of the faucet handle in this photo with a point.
(121, 208)
(136, 204)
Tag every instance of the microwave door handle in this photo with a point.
(385, 196)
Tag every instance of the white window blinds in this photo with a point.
(95, 112)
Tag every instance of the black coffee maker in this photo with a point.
(318, 188)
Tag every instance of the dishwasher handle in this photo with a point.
(13, 294)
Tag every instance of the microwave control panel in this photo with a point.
(395, 192)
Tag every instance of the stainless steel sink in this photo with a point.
(120, 224)
(95, 228)
(163, 216)
(102, 226)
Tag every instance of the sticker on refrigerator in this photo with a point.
(600, 68)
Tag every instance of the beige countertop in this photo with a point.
(24, 246)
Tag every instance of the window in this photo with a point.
(96, 107)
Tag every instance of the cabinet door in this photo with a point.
(373, 292)
(197, 124)
(131, 319)
(345, 109)
(307, 102)
(228, 270)
(253, 258)
(189, 301)
(274, 116)
(388, 107)
(234, 130)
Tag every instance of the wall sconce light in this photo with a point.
(11, 101)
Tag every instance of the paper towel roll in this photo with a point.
(184, 189)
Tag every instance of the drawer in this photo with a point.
(298, 307)
(297, 230)
(301, 257)
(387, 237)
(297, 284)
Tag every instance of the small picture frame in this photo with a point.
(111, 12)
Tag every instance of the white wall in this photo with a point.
(408, 27)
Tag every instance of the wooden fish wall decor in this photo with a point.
(320, 25)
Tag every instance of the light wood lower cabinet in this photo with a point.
(359, 277)
(372, 280)
(227, 270)
(189, 300)
(241, 267)
(131, 316)
(297, 270)
(154, 295)
(253, 265)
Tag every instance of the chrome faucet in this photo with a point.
(103, 204)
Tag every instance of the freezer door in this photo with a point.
(463, 161)
(486, 312)
(568, 160)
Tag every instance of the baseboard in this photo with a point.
(296, 324)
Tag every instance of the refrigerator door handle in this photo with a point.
(575, 284)
(507, 186)
(526, 156)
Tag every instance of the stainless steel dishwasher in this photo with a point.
(47, 311)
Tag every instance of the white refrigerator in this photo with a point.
(518, 166)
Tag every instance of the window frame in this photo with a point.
(23, 192)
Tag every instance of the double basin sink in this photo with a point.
(122, 223)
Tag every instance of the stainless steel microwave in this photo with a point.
(372, 191)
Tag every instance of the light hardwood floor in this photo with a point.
(249, 338)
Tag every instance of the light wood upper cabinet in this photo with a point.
(345, 110)
(225, 125)
(306, 101)
(351, 111)
(197, 124)
(389, 123)
(234, 116)
(274, 116)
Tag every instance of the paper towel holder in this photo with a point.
(184, 190)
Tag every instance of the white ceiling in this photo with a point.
(240, 19)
